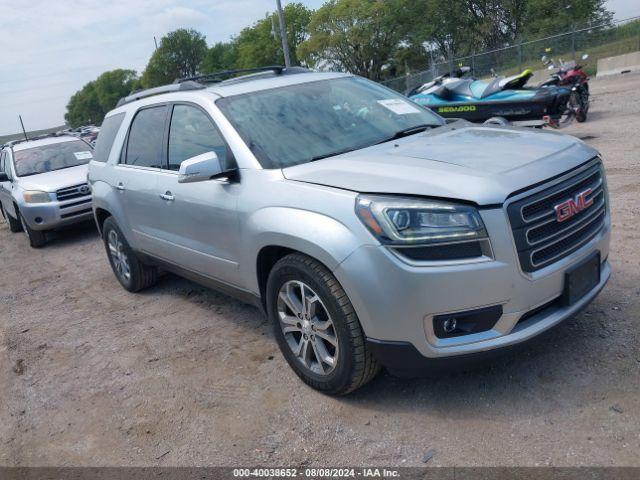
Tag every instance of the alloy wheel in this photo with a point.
(118, 256)
(307, 327)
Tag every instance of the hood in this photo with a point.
(52, 181)
(480, 164)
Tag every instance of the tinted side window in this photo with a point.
(144, 147)
(107, 135)
(192, 133)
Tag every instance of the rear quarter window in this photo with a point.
(107, 135)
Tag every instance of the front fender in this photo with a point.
(319, 236)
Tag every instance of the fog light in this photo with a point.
(38, 219)
(450, 325)
(467, 322)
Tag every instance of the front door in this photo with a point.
(199, 221)
(6, 198)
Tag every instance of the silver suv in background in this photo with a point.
(43, 185)
(369, 230)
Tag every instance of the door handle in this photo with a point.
(120, 186)
(167, 196)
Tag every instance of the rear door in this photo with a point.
(199, 220)
(136, 177)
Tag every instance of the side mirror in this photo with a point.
(4, 177)
(544, 58)
(200, 168)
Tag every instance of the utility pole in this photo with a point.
(155, 41)
(283, 35)
(24, 132)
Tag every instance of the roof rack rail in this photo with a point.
(198, 82)
(216, 76)
(174, 87)
(11, 143)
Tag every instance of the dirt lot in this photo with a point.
(181, 375)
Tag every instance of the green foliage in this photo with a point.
(373, 38)
(547, 17)
(260, 44)
(221, 56)
(465, 26)
(90, 104)
(359, 36)
(179, 55)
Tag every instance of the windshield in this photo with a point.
(299, 123)
(55, 156)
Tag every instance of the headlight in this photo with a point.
(34, 196)
(409, 221)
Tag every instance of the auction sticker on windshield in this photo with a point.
(84, 155)
(398, 106)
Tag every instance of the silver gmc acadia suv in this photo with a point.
(43, 185)
(372, 232)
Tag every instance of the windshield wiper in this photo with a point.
(333, 154)
(406, 132)
(402, 133)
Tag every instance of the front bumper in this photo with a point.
(55, 214)
(396, 301)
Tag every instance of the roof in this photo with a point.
(26, 144)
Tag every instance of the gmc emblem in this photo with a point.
(568, 208)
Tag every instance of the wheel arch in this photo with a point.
(277, 232)
(101, 214)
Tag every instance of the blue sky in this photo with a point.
(50, 49)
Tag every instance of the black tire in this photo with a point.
(499, 121)
(355, 365)
(14, 224)
(140, 275)
(37, 238)
(577, 103)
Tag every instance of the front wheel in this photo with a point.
(15, 225)
(37, 238)
(579, 106)
(316, 326)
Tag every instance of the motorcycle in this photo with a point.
(570, 75)
(498, 101)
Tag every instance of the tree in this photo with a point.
(359, 36)
(221, 56)
(547, 17)
(91, 103)
(179, 55)
(260, 44)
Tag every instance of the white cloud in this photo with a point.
(50, 49)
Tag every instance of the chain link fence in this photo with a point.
(599, 41)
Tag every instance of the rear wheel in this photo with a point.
(37, 238)
(130, 271)
(316, 326)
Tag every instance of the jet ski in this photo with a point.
(499, 98)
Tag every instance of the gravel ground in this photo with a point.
(181, 375)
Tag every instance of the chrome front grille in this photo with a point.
(540, 238)
(69, 193)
